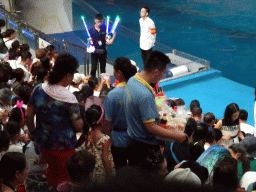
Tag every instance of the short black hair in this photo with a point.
(8, 33)
(93, 81)
(243, 115)
(80, 165)
(2, 23)
(194, 103)
(50, 47)
(196, 111)
(12, 128)
(99, 17)
(208, 118)
(147, 9)
(156, 60)
(4, 140)
(25, 55)
(125, 66)
(65, 63)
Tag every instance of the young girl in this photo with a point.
(213, 137)
(14, 171)
(229, 125)
(99, 144)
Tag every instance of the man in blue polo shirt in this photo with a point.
(141, 110)
(100, 41)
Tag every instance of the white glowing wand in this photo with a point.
(107, 24)
(115, 24)
(82, 17)
(90, 47)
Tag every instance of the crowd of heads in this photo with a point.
(61, 69)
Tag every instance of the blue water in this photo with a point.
(221, 31)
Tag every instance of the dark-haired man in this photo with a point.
(99, 40)
(147, 33)
(141, 110)
(244, 127)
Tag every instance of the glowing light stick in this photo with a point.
(107, 24)
(115, 24)
(82, 17)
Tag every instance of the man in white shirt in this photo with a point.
(147, 33)
(247, 129)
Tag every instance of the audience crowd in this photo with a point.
(64, 131)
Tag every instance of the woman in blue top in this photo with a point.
(115, 113)
(57, 118)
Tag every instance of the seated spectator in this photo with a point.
(26, 59)
(194, 103)
(209, 120)
(184, 176)
(13, 129)
(225, 175)
(196, 168)
(4, 142)
(247, 181)
(171, 103)
(9, 37)
(179, 102)
(80, 166)
(196, 113)
(77, 80)
(213, 137)
(211, 156)
(229, 125)
(94, 83)
(175, 152)
(239, 153)
(244, 127)
(14, 171)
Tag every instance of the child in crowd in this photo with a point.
(13, 129)
(80, 166)
(99, 144)
(4, 142)
(97, 87)
(13, 173)
(213, 137)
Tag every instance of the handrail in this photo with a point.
(74, 45)
(23, 24)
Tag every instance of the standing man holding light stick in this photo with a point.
(147, 33)
(100, 40)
